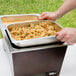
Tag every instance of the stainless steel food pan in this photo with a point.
(34, 41)
(8, 19)
(16, 18)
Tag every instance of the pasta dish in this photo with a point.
(23, 32)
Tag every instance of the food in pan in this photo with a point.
(14, 19)
(23, 32)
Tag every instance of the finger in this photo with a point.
(43, 14)
(43, 17)
(40, 17)
(60, 35)
(57, 33)
(64, 39)
(62, 32)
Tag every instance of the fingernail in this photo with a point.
(57, 34)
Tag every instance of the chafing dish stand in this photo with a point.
(41, 60)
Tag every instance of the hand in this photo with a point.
(49, 16)
(67, 35)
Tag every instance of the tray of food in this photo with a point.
(8, 19)
(33, 33)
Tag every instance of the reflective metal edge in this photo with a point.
(35, 41)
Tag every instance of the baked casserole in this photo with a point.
(23, 32)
